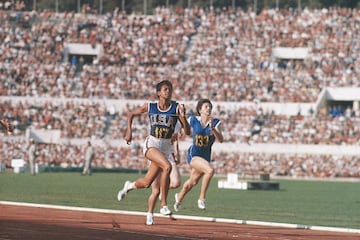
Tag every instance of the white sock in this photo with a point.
(132, 186)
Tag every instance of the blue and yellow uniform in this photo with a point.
(162, 123)
(202, 139)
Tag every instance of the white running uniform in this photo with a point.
(163, 144)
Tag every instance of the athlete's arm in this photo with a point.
(217, 132)
(176, 148)
(136, 112)
(182, 117)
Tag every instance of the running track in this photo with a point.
(26, 221)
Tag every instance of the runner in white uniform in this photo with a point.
(163, 116)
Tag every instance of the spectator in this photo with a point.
(32, 154)
(89, 156)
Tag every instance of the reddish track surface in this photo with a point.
(45, 223)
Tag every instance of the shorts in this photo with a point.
(189, 155)
(164, 145)
(192, 152)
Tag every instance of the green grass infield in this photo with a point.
(312, 203)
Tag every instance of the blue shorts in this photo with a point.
(191, 154)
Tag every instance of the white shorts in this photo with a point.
(164, 145)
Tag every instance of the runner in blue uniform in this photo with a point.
(205, 131)
(163, 116)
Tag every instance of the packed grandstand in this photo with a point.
(63, 94)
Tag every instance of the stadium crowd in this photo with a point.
(246, 124)
(245, 164)
(222, 54)
(93, 121)
(219, 54)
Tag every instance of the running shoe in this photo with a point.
(165, 210)
(177, 204)
(201, 203)
(149, 219)
(122, 193)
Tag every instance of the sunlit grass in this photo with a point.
(333, 204)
